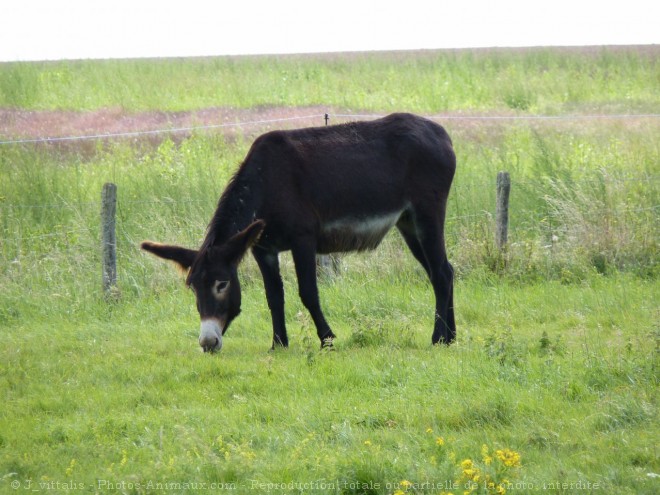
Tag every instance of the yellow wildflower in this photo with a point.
(69, 470)
(485, 455)
(399, 492)
(508, 457)
(439, 441)
(469, 470)
(470, 473)
(367, 443)
(405, 484)
(429, 430)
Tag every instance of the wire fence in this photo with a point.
(542, 223)
(456, 187)
(527, 220)
(326, 117)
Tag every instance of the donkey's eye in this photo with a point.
(220, 286)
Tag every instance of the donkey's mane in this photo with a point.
(235, 211)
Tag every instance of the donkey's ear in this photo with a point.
(237, 246)
(181, 256)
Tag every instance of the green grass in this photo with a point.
(568, 381)
(557, 350)
(535, 80)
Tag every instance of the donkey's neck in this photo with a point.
(236, 209)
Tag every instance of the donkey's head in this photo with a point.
(213, 276)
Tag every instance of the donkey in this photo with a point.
(322, 190)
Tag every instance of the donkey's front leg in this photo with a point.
(304, 257)
(270, 271)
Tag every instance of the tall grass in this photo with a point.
(535, 80)
(50, 213)
(580, 204)
(580, 200)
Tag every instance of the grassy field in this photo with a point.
(551, 387)
(543, 80)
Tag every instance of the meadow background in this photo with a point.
(552, 385)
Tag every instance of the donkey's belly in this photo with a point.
(355, 233)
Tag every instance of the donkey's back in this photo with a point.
(352, 183)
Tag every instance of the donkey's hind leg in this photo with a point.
(407, 229)
(430, 237)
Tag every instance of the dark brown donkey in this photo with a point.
(324, 190)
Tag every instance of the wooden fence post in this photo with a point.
(328, 263)
(109, 239)
(502, 209)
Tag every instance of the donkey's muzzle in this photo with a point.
(210, 335)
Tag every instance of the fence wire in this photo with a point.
(327, 116)
(459, 186)
(456, 219)
(522, 216)
(175, 130)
